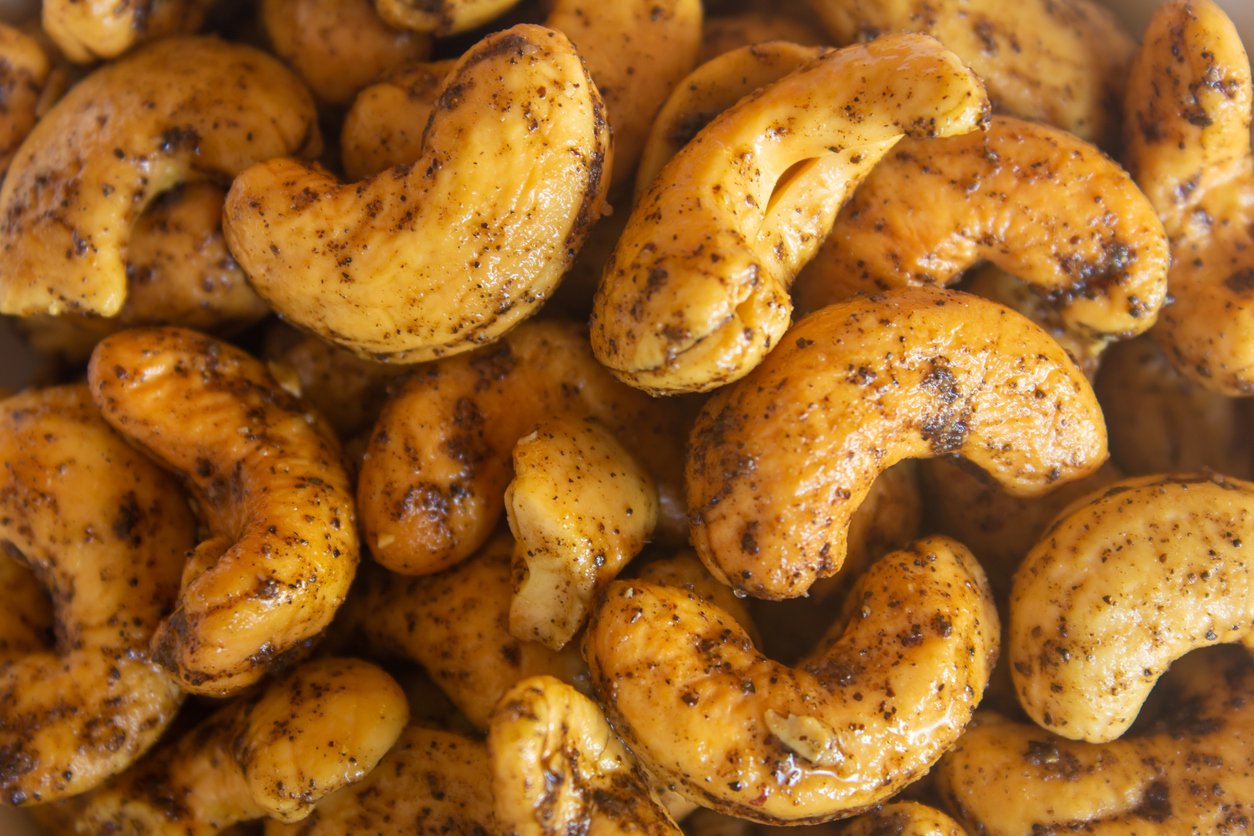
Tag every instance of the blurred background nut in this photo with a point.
(385, 125)
(24, 69)
(90, 30)
(441, 17)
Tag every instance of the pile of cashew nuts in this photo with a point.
(499, 417)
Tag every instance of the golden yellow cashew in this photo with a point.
(385, 125)
(1063, 62)
(885, 693)
(465, 242)
(1192, 771)
(441, 17)
(558, 767)
(1035, 200)
(24, 69)
(580, 507)
(1188, 145)
(105, 530)
(268, 478)
(90, 30)
(684, 570)
(780, 462)
(438, 461)
(903, 818)
(696, 292)
(1123, 583)
(742, 27)
(322, 727)
(181, 109)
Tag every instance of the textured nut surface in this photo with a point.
(24, 69)
(89, 30)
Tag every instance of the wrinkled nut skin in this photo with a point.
(884, 694)
(452, 250)
(1123, 583)
(105, 531)
(441, 17)
(273, 754)
(1190, 772)
(780, 462)
(1035, 200)
(558, 767)
(456, 625)
(90, 30)
(1187, 133)
(181, 109)
(1063, 62)
(433, 782)
(903, 818)
(385, 125)
(24, 70)
(438, 461)
(696, 292)
(268, 477)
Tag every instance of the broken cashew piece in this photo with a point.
(780, 462)
(268, 478)
(453, 250)
(886, 692)
(696, 292)
(580, 508)
(90, 30)
(1188, 145)
(1122, 584)
(24, 69)
(106, 530)
(1035, 200)
(558, 767)
(274, 754)
(181, 109)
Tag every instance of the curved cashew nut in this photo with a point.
(438, 461)
(441, 17)
(1125, 582)
(455, 249)
(385, 125)
(183, 108)
(269, 480)
(886, 692)
(24, 69)
(1032, 199)
(580, 508)
(1191, 772)
(696, 292)
(1063, 62)
(780, 462)
(322, 727)
(106, 531)
(558, 767)
(1188, 145)
(90, 30)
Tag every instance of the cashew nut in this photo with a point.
(455, 249)
(779, 463)
(558, 768)
(105, 530)
(181, 109)
(903, 818)
(1125, 582)
(89, 30)
(1064, 62)
(438, 461)
(793, 22)
(384, 127)
(886, 692)
(580, 508)
(270, 484)
(441, 17)
(1034, 200)
(685, 570)
(695, 293)
(1188, 145)
(24, 69)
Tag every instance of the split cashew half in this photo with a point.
(780, 462)
(452, 250)
(91, 30)
(696, 292)
(269, 481)
(887, 691)
(1122, 584)
(181, 109)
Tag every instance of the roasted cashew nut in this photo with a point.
(886, 692)
(1188, 145)
(181, 109)
(385, 125)
(1063, 62)
(453, 250)
(903, 818)
(696, 292)
(90, 30)
(105, 530)
(275, 754)
(441, 17)
(24, 69)
(269, 480)
(558, 767)
(1125, 582)
(745, 26)
(438, 461)
(1190, 772)
(1035, 200)
(780, 462)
